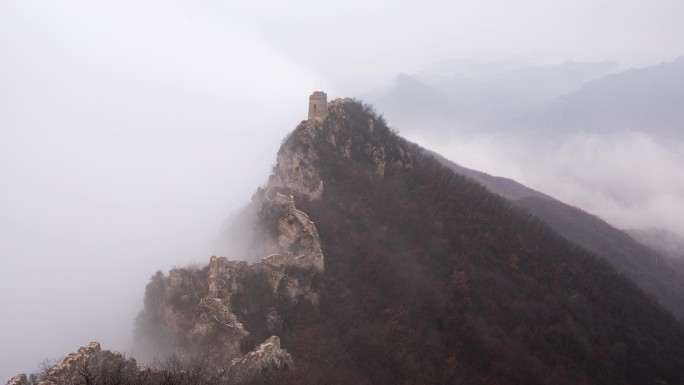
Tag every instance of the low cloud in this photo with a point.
(630, 180)
(126, 140)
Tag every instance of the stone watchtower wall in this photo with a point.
(318, 105)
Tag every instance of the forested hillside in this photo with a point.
(647, 263)
(430, 278)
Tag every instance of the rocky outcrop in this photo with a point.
(252, 367)
(222, 309)
(18, 380)
(295, 168)
(89, 365)
(93, 366)
(293, 239)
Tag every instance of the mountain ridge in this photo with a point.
(642, 100)
(355, 148)
(650, 268)
(428, 278)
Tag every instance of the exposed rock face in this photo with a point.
(296, 167)
(295, 164)
(93, 366)
(89, 364)
(294, 240)
(221, 310)
(18, 380)
(250, 368)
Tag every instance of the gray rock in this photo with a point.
(255, 364)
(218, 311)
(88, 364)
(18, 380)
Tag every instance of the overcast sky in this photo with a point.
(130, 130)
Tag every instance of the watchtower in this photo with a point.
(318, 105)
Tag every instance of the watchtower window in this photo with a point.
(314, 106)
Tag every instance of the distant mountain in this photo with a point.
(650, 260)
(646, 100)
(490, 101)
(545, 101)
(411, 101)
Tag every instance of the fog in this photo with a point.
(130, 131)
(598, 137)
(630, 180)
(128, 136)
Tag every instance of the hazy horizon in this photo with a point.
(130, 132)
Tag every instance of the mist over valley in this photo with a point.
(139, 140)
